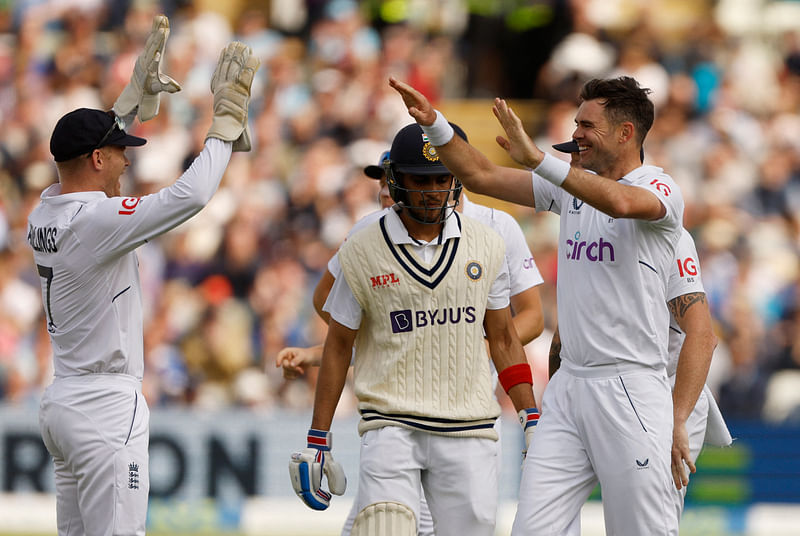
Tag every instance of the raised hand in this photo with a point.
(418, 105)
(231, 85)
(142, 95)
(518, 144)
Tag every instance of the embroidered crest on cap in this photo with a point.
(429, 151)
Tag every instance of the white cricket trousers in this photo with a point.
(458, 476)
(96, 427)
(602, 426)
(424, 519)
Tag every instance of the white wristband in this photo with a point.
(553, 169)
(440, 132)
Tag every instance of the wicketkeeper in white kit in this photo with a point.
(93, 418)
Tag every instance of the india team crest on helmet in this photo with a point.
(474, 270)
(429, 152)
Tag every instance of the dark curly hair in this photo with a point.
(623, 100)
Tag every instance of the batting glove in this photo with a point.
(231, 88)
(307, 467)
(142, 94)
(528, 418)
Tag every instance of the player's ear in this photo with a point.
(626, 131)
(98, 158)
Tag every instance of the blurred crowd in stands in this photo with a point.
(231, 287)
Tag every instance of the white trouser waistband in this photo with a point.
(610, 370)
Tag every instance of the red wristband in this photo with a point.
(511, 376)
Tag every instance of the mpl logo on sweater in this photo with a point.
(384, 280)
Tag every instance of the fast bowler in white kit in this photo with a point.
(422, 375)
(691, 345)
(690, 322)
(93, 417)
(607, 413)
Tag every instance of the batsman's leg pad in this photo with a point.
(385, 519)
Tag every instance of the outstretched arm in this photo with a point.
(693, 316)
(514, 185)
(607, 195)
(475, 171)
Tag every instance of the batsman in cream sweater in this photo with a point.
(422, 287)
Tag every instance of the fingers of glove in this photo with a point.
(315, 462)
(337, 481)
(156, 41)
(248, 72)
(305, 475)
(529, 437)
(222, 74)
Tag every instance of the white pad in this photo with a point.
(385, 519)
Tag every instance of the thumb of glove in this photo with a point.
(337, 481)
(161, 82)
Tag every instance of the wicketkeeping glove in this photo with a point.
(528, 418)
(231, 88)
(307, 467)
(142, 94)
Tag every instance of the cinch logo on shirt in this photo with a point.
(529, 264)
(384, 280)
(406, 320)
(599, 251)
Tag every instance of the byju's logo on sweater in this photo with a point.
(406, 320)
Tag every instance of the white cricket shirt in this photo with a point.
(684, 278)
(612, 275)
(522, 271)
(83, 246)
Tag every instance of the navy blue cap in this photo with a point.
(376, 172)
(567, 147)
(84, 130)
(412, 152)
(572, 147)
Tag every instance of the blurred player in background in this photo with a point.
(418, 288)
(523, 275)
(608, 415)
(93, 418)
